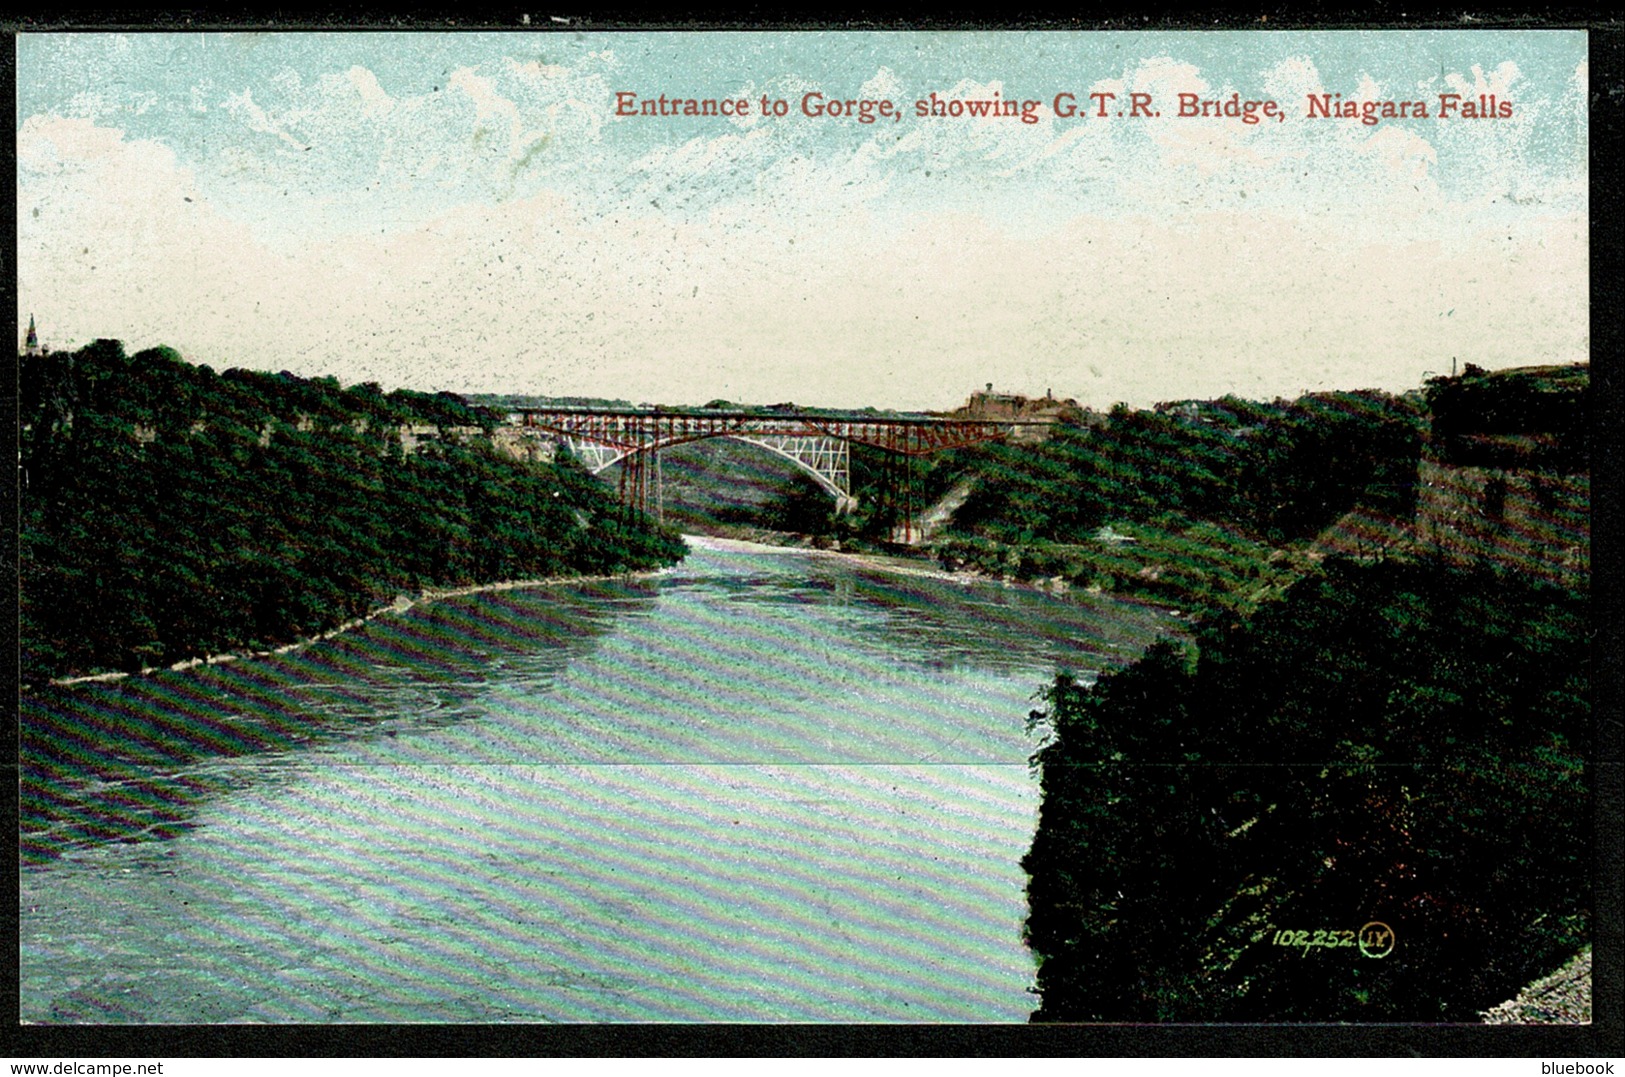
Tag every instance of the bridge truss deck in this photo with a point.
(819, 444)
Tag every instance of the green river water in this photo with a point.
(760, 786)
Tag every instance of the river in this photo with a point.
(760, 786)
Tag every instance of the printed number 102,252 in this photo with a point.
(1317, 939)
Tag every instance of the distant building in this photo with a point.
(31, 342)
(991, 405)
(986, 405)
(1505, 474)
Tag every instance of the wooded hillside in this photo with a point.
(168, 511)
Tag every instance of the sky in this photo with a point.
(468, 212)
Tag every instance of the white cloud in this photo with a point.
(1165, 78)
(1404, 153)
(1292, 81)
(374, 101)
(1497, 82)
(488, 103)
(883, 85)
(258, 119)
(1367, 90)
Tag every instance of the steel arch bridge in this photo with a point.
(819, 445)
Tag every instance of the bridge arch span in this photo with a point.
(825, 459)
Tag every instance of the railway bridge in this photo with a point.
(817, 443)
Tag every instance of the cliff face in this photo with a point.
(1535, 522)
(1504, 478)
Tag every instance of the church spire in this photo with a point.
(31, 342)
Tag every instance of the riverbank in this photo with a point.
(401, 604)
(1197, 566)
(1193, 567)
(1309, 756)
(907, 566)
(925, 565)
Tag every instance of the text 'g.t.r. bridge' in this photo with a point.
(819, 444)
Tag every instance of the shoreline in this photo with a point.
(887, 562)
(1057, 588)
(401, 604)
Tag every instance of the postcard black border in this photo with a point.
(1603, 1038)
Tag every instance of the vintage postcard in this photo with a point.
(559, 525)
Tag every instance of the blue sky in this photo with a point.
(464, 211)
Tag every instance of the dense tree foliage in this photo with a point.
(1528, 417)
(1392, 742)
(168, 511)
(1271, 471)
